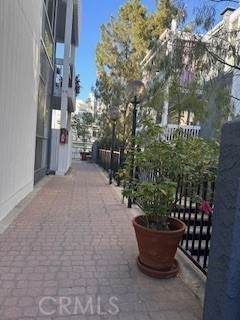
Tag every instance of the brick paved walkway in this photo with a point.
(71, 253)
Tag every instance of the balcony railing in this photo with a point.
(58, 81)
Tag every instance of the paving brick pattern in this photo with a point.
(71, 254)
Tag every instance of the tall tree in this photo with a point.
(118, 55)
(124, 42)
(82, 126)
(122, 46)
(162, 18)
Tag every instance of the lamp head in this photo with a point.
(135, 91)
(114, 113)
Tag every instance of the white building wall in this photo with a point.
(54, 149)
(235, 92)
(20, 25)
(70, 147)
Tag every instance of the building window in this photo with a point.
(48, 41)
(50, 6)
(42, 132)
(48, 27)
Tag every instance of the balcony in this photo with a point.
(61, 21)
(57, 90)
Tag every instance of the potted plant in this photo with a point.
(158, 235)
(78, 86)
(159, 166)
(84, 155)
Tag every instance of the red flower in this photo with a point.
(205, 207)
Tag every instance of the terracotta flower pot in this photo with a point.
(84, 155)
(157, 248)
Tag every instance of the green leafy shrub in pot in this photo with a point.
(161, 164)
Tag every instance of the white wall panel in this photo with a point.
(54, 149)
(70, 143)
(20, 26)
(55, 146)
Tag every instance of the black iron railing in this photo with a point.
(196, 240)
(118, 160)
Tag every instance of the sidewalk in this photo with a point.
(70, 255)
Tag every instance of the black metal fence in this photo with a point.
(196, 240)
(118, 160)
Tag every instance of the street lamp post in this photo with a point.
(135, 93)
(114, 115)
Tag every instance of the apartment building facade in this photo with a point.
(229, 27)
(221, 70)
(29, 32)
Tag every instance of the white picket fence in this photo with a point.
(186, 131)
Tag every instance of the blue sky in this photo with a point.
(94, 13)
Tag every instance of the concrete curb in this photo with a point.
(192, 276)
